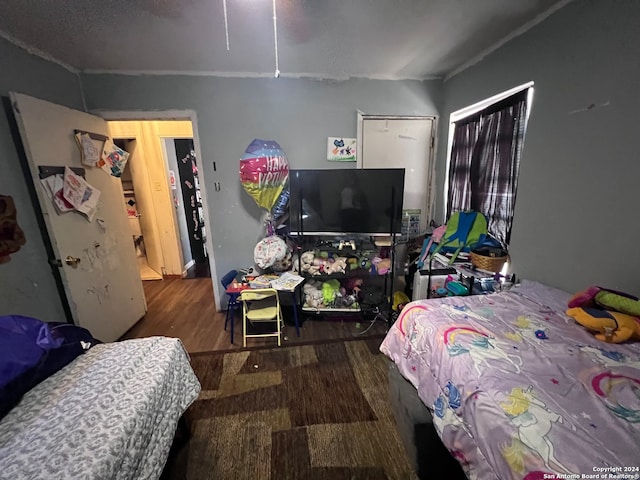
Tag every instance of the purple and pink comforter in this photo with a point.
(517, 389)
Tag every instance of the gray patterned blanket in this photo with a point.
(110, 414)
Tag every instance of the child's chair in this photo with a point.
(232, 304)
(261, 306)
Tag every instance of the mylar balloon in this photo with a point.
(264, 171)
(280, 208)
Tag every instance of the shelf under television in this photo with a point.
(330, 310)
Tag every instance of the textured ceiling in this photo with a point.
(319, 38)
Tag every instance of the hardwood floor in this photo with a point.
(184, 308)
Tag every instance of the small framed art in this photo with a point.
(340, 149)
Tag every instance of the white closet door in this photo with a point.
(403, 142)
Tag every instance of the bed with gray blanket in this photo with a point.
(109, 414)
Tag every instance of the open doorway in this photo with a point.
(162, 119)
(184, 180)
(164, 194)
(153, 197)
(167, 167)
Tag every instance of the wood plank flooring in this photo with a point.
(184, 308)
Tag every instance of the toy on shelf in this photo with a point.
(318, 263)
(332, 294)
(382, 265)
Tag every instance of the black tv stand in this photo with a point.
(375, 289)
(359, 249)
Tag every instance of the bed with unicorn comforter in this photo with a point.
(517, 389)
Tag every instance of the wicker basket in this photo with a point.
(491, 260)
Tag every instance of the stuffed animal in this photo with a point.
(346, 300)
(612, 327)
(622, 303)
(598, 297)
(330, 289)
(353, 262)
(614, 315)
(353, 285)
(338, 265)
(383, 265)
(306, 261)
(313, 294)
(365, 261)
(322, 265)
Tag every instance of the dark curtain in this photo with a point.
(485, 161)
(465, 137)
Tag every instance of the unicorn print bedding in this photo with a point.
(517, 389)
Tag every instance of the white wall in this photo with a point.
(27, 286)
(576, 219)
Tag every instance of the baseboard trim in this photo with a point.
(176, 277)
(187, 267)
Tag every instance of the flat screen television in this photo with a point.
(337, 201)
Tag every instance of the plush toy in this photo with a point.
(608, 299)
(383, 265)
(283, 264)
(365, 261)
(584, 298)
(614, 315)
(622, 303)
(306, 261)
(321, 265)
(353, 285)
(329, 290)
(313, 294)
(612, 327)
(400, 299)
(338, 265)
(353, 262)
(344, 300)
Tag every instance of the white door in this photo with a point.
(403, 142)
(103, 289)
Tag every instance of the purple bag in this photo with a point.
(32, 350)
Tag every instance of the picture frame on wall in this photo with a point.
(341, 149)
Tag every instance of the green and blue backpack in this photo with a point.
(464, 230)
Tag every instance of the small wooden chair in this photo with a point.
(261, 306)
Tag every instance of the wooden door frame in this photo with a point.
(178, 115)
(432, 156)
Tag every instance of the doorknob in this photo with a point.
(73, 261)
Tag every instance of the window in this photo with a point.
(485, 145)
